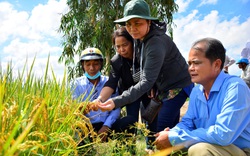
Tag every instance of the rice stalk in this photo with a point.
(39, 117)
(20, 138)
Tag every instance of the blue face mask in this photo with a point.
(92, 77)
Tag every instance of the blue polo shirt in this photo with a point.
(83, 89)
(223, 119)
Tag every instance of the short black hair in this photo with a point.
(213, 49)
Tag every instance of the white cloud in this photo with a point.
(13, 23)
(45, 19)
(18, 52)
(26, 35)
(31, 48)
(231, 33)
(205, 2)
(183, 5)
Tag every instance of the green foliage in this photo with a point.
(38, 117)
(89, 23)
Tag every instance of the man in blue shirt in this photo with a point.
(217, 121)
(88, 88)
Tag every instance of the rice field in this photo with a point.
(39, 118)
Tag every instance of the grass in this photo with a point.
(39, 118)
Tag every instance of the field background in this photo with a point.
(39, 118)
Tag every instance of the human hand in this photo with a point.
(95, 105)
(152, 94)
(167, 129)
(103, 132)
(107, 106)
(161, 140)
(88, 106)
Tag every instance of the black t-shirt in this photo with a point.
(120, 74)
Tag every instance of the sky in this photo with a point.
(28, 30)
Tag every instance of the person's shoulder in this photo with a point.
(197, 88)
(78, 82)
(232, 78)
(235, 85)
(78, 79)
(234, 81)
(248, 67)
(81, 78)
(116, 57)
(117, 61)
(196, 92)
(159, 40)
(104, 78)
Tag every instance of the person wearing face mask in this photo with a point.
(89, 86)
(159, 65)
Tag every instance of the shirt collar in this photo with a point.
(217, 83)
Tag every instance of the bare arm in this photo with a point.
(105, 93)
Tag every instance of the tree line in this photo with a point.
(89, 23)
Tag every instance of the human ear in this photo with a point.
(149, 23)
(217, 64)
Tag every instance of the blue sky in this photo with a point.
(28, 29)
(227, 9)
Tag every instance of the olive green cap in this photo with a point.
(135, 9)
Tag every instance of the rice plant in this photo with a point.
(38, 117)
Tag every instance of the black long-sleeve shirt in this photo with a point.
(163, 65)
